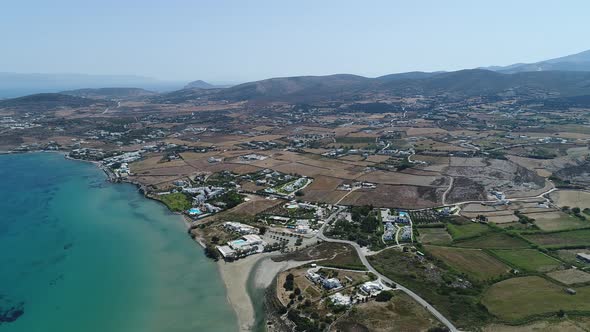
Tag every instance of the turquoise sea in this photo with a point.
(80, 254)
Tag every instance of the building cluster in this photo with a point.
(240, 228)
(204, 193)
(246, 245)
(392, 223)
(366, 290)
(326, 283)
(260, 145)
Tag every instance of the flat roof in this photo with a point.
(226, 251)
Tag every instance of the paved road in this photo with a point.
(366, 263)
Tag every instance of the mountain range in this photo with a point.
(575, 62)
(562, 77)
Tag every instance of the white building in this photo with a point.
(240, 228)
(371, 288)
(331, 283)
(339, 299)
(313, 277)
(246, 245)
(583, 257)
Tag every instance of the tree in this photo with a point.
(288, 285)
(211, 252)
(384, 296)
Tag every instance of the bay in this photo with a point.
(78, 253)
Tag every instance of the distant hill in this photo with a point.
(463, 83)
(574, 62)
(479, 82)
(109, 93)
(199, 84)
(18, 84)
(408, 75)
(43, 102)
(297, 88)
(184, 95)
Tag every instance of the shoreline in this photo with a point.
(261, 271)
(236, 275)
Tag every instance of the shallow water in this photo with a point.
(81, 254)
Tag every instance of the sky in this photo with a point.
(238, 41)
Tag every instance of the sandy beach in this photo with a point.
(235, 276)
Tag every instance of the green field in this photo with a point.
(435, 236)
(519, 298)
(496, 240)
(475, 263)
(468, 230)
(557, 221)
(176, 202)
(561, 239)
(527, 259)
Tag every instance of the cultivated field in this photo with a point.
(561, 239)
(557, 221)
(518, 298)
(494, 240)
(570, 276)
(473, 262)
(468, 230)
(435, 236)
(527, 259)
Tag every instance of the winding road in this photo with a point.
(366, 263)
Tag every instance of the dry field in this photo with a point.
(401, 178)
(323, 189)
(154, 162)
(571, 198)
(467, 162)
(409, 197)
(255, 205)
(401, 313)
(570, 277)
(413, 131)
(478, 208)
(431, 145)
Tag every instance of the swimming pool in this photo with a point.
(194, 211)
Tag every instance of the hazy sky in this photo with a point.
(244, 40)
